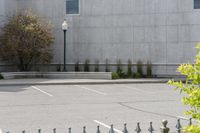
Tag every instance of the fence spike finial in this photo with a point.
(178, 126)
(70, 130)
(138, 129)
(84, 129)
(125, 129)
(98, 130)
(190, 122)
(151, 130)
(54, 130)
(164, 128)
(111, 129)
(39, 130)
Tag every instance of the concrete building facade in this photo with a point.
(164, 32)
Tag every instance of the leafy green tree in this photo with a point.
(25, 40)
(192, 90)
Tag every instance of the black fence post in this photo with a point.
(151, 130)
(178, 126)
(125, 129)
(138, 129)
(111, 129)
(54, 130)
(190, 122)
(84, 129)
(98, 130)
(70, 130)
(164, 128)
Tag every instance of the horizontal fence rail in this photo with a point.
(163, 128)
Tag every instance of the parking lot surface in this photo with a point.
(62, 106)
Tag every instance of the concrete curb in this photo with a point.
(58, 75)
(71, 82)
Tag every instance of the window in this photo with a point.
(196, 4)
(72, 6)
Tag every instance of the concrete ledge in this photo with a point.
(57, 75)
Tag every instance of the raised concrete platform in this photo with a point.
(57, 75)
(43, 81)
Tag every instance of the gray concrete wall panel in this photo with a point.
(164, 32)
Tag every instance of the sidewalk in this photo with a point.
(22, 82)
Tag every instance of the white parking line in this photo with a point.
(98, 92)
(41, 91)
(1, 131)
(136, 89)
(107, 126)
(184, 118)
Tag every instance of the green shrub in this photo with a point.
(149, 69)
(1, 77)
(77, 67)
(96, 67)
(119, 66)
(58, 69)
(119, 69)
(87, 65)
(140, 68)
(107, 69)
(115, 75)
(129, 70)
(137, 75)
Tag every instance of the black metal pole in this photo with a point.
(64, 50)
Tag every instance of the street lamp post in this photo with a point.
(64, 28)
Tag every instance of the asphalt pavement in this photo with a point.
(47, 106)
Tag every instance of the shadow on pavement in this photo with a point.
(13, 88)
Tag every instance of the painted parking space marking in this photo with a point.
(92, 90)
(1, 131)
(136, 89)
(107, 126)
(184, 118)
(46, 93)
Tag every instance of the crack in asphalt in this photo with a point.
(145, 111)
(61, 104)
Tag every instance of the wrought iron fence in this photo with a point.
(163, 128)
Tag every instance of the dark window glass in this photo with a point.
(196, 4)
(72, 6)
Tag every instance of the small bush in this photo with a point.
(1, 77)
(115, 75)
(96, 67)
(58, 68)
(87, 65)
(137, 75)
(119, 66)
(107, 69)
(149, 69)
(119, 69)
(140, 68)
(77, 67)
(129, 71)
